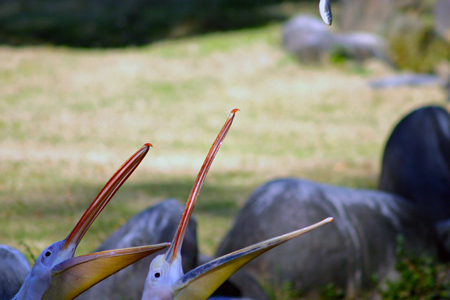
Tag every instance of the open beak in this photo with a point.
(71, 275)
(202, 281)
(175, 248)
(74, 276)
(102, 199)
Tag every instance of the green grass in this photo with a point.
(70, 117)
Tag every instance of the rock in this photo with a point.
(407, 79)
(416, 161)
(361, 46)
(307, 37)
(441, 18)
(14, 268)
(155, 225)
(311, 41)
(348, 252)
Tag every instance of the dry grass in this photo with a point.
(69, 118)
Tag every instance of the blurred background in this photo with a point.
(83, 84)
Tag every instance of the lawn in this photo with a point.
(70, 117)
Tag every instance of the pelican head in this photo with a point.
(161, 277)
(166, 280)
(57, 274)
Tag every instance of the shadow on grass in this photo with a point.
(222, 195)
(72, 200)
(36, 217)
(36, 220)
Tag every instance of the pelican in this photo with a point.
(14, 268)
(57, 274)
(166, 280)
(325, 11)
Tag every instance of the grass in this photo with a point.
(70, 117)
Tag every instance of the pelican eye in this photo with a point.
(157, 275)
(48, 253)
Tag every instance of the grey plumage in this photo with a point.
(14, 268)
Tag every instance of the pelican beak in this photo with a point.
(325, 11)
(202, 281)
(175, 248)
(71, 276)
(74, 276)
(71, 242)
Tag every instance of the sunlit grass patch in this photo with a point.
(70, 117)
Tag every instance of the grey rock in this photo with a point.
(307, 37)
(416, 161)
(311, 41)
(407, 79)
(14, 268)
(155, 225)
(348, 252)
(361, 46)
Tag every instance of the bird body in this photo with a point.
(14, 268)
